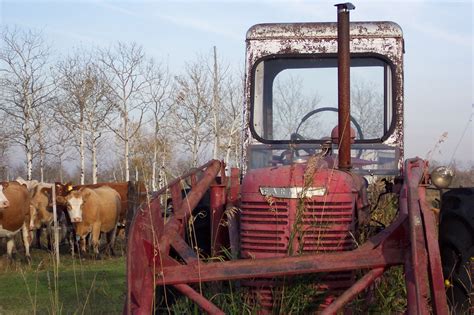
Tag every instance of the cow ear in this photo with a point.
(61, 200)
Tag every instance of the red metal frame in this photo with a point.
(409, 241)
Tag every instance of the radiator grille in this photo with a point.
(327, 226)
(323, 224)
(264, 228)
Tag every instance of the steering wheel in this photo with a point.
(297, 136)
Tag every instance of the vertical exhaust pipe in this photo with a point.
(344, 93)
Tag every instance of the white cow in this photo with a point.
(3, 199)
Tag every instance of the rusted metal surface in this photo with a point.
(152, 235)
(414, 173)
(233, 212)
(298, 209)
(435, 271)
(384, 249)
(380, 38)
(278, 267)
(276, 227)
(424, 279)
(218, 230)
(353, 291)
(324, 30)
(397, 244)
(344, 86)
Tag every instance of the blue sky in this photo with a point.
(438, 39)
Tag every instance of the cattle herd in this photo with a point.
(82, 211)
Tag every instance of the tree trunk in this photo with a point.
(28, 146)
(29, 158)
(42, 166)
(195, 149)
(162, 176)
(41, 153)
(94, 159)
(81, 149)
(127, 149)
(61, 169)
(153, 173)
(215, 108)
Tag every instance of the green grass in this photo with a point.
(75, 287)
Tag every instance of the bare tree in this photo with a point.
(41, 142)
(231, 114)
(98, 110)
(193, 109)
(125, 67)
(73, 82)
(60, 150)
(367, 108)
(85, 104)
(159, 98)
(290, 105)
(4, 148)
(25, 84)
(218, 73)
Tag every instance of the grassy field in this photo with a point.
(74, 287)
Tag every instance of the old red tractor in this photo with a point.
(302, 198)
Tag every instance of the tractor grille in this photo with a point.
(324, 227)
(327, 226)
(264, 228)
(321, 224)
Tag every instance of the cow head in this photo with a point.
(40, 207)
(75, 201)
(3, 199)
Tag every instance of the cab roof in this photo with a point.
(323, 30)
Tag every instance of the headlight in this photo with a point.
(442, 176)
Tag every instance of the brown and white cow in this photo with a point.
(16, 216)
(3, 199)
(128, 203)
(41, 213)
(94, 211)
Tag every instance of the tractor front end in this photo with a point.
(324, 121)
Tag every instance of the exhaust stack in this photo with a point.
(344, 93)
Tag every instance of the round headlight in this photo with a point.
(442, 176)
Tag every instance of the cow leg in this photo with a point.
(38, 238)
(82, 244)
(26, 242)
(10, 245)
(95, 239)
(111, 241)
(49, 233)
(74, 240)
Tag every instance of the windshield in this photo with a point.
(294, 109)
(296, 99)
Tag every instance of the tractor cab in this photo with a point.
(292, 95)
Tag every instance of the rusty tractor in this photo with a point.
(298, 205)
